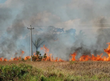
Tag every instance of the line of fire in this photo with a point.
(48, 57)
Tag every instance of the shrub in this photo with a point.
(38, 56)
(9, 72)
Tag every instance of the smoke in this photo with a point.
(17, 17)
(102, 38)
(12, 28)
(9, 44)
(103, 34)
(64, 25)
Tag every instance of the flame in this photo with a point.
(27, 57)
(92, 57)
(73, 56)
(5, 59)
(49, 57)
(45, 48)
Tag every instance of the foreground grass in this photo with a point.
(54, 71)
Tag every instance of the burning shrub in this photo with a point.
(38, 56)
(34, 58)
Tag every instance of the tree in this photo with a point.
(37, 44)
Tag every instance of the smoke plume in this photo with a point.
(66, 26)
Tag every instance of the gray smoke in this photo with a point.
(103, 37)
(62, 41)
(9, 44)
(103, 34)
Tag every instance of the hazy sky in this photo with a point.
(17, 15)
(2, 1)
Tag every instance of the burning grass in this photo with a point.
(48, 57)
(92, 57)
(36, 57)
(57, 71)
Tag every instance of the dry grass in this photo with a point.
(90, 69)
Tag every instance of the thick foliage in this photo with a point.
(13, 71)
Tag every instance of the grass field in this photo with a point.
(55, 71)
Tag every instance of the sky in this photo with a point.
(64, 25)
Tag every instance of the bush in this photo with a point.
(10, 72)
(43, 78)
(38, 56)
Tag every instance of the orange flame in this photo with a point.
(93, 58)
(45, 48)
(49, 57)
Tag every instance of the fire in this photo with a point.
(48, 57)
(45, 48)
(73, 56)
(27, 57)
(92, 57)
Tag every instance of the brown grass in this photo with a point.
(90, 69)
(93, 66)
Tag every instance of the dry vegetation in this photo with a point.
(73, 71)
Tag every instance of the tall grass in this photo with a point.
(55, 71)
